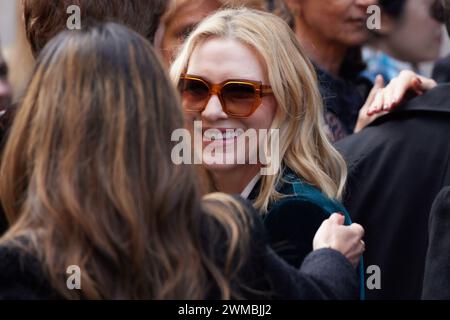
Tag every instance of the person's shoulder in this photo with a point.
(301, 197)
(295, 205)
(21, 275)
(13, 259)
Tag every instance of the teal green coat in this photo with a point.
(292, 222)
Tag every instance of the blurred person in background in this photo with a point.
(19, 57)
(410, 34)
(182, 16)
(441, 71)
(332, 32)
(397, 166)
(43, 19)
(5, 101)
(5, 87)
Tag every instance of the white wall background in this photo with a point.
(7, 22)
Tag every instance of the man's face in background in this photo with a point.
(5, 87)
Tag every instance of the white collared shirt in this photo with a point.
(248, 189)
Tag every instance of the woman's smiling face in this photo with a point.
(217, 60)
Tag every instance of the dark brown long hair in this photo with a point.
(87, 177)
(46, 18)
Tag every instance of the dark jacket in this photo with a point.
(325, 274)
(292, 221)
(397, 166)
(441, 71)
(436, 284)
(344, 95)
(342, 101)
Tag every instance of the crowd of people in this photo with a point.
(88, 179)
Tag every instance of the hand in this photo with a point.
(345, 239)
(396, 92)
(364, 119)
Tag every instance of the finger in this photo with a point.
(390, 91)
(417, 85)
(336, 218)
(358, 229)
(377, 104)
(405, 81)
(378, 85)
(427, 83)
(341, 219)
(362, 245)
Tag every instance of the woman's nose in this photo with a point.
(214, 110)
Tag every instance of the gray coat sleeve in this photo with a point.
(324, 275)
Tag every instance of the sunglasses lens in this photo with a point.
(239, 98)
(194, 94)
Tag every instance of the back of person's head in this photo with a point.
(46, 18)
(304, 146)
(87, 177)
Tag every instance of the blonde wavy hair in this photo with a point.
(304, 146)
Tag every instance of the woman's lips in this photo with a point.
(357, 21)
(221, 135)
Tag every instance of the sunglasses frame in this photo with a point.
(216, 89)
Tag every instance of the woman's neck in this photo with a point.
(383, 46)
(235, 180)
(326, 54)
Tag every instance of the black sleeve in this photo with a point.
(21, 277)
(324, 275)
(291, 225)
(437, 267)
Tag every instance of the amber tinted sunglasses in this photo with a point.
(239, 98)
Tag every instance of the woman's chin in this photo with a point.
(210, 165)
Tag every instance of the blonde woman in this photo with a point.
(243, 70)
